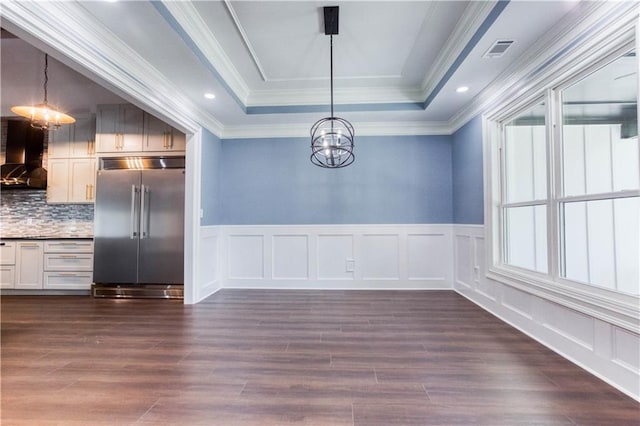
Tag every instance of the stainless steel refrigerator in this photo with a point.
(139, 221)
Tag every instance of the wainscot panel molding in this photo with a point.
(608, 351)
(337, 256)
(209, 274)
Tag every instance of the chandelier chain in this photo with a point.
(46, 76)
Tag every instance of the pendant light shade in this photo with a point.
(332, 143)
(44, 116)
(332, 137)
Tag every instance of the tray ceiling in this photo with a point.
(268, 62)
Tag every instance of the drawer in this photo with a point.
(68, 280)
(68, 262)
(68, 246)
(7, 276)
(7, 253)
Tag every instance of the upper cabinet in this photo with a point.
(119, 128)
(126, 129)
(114, 130)
(71, 164)
(71, 180)
(75, 140)
(159, 136)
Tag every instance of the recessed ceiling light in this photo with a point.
(462, 89)
(209, 95)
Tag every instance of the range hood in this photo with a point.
(23, 157)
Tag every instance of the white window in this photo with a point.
(524, 195)
(563, 165)
(598, 198)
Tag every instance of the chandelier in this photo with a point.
(332, 137)
(44, 116)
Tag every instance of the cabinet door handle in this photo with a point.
(91, 192)
(170, 139)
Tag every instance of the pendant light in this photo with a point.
(332, 137)
(44, 116)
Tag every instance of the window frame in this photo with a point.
(612, 306)
(504, 204)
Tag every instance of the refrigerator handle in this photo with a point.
(144, 221)
(134, 222)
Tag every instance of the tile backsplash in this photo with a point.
(25, 212)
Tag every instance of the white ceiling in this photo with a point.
(269, 56)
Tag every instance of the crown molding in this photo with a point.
(468, 24)
(357, 95)
(88, 44)
(186, 20)
(298, 130)
(190, 21)
(556, 54)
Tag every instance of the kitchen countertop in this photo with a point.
(47, 237)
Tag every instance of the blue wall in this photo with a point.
(401, 179)
(210, 179)
(468, 190)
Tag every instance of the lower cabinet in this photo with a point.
(7, 264)
(68, 280)
(50, 264)
(68, 264)
(28, 265)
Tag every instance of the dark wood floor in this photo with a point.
(249, 357)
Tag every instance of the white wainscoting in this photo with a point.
(210, 274)
(337, 256)
(609, 352)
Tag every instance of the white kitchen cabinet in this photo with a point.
(58, 180)
(82, 180)
(119, 128)
(159, 136)
(68, 264)
(7, 264)
(59, 141)
(71, 180)
(29, 272)
(84, 138)
(74, 140)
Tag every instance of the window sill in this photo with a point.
(615, 308)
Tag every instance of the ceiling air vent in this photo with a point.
(498, 48)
